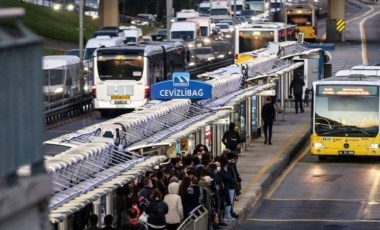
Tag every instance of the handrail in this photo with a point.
(196, 214)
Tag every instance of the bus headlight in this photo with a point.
(374, 146)
(58, 90)
(317, 145)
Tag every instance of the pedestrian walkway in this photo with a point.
(260, 164)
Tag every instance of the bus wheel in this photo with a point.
(322, 158)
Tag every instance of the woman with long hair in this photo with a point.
(156, 210)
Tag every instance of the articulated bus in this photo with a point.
(345, 117)
(256, 36)
(303, 16)
(123, 75)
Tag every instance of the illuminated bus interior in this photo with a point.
(120, 64)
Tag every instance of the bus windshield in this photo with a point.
(184, 35)
(53, 76)
(347, 116)
(300, 20)
(252, 40)
(120, 66)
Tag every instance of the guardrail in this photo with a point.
(198, 219)
(62, 110)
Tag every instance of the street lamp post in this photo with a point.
(81, 31)
(234, 34)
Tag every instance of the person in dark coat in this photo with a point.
(296, 88)
(268, 112)
(191, 195)
(231, 139)
(108, 220)
(156, 210)
(93, 222)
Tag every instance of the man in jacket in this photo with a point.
(268, 113)
(296, 88)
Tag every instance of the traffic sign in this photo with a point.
(340, 25)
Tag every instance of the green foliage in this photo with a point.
(53, 52)
(47, 22)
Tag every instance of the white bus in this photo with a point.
(123, 75)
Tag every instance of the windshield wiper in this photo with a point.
(359, 130)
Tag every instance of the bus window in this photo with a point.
(300, 20)
(252, 40)
(120, 66)
(158, 73)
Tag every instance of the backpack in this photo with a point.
(232, 140)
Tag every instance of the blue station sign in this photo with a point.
(181, 87)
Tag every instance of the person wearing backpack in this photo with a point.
(231, 139)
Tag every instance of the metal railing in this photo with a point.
(197, 220)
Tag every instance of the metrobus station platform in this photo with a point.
(260, 164)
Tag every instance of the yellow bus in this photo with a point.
(256, 36)
(345, 117)
(303, 17)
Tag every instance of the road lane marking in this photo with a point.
(371, 196)
(312, 220)
(285, 173)
(277, 156)
(362, 15)
(314, 199)
(363, 37)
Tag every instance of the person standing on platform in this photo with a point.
(296, 88)
(268, 113)
(231, 139)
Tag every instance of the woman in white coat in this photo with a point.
(174, 202)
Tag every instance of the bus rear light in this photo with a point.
(93, 92)
(147, 91)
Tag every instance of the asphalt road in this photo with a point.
(334, 194)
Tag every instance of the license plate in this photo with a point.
(346, 152)
(120, 97)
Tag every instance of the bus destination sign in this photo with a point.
(348, 90)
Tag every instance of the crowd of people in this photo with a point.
(166, 196)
